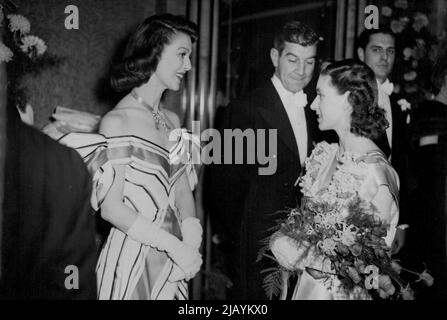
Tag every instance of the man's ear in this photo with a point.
(361, 54)
(274, 55)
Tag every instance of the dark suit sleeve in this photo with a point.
(48, 220)
(69, 249)
(226, 185)
(80, 249)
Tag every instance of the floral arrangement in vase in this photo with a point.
(23, 52)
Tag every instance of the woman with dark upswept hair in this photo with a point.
(142, 171)
(346, 102)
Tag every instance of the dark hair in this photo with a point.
(367, 118)
(364, 37)
(295, 32)
(144, 48)
(440, 68)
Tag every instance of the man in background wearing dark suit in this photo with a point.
(376, 47)
(48, 245)
(242, 201)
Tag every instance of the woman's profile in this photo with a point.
(346, 102)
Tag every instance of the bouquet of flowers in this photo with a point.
(347, 249)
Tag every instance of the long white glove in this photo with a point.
(192, 233)
(187, 258)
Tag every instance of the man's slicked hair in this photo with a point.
(295, 32)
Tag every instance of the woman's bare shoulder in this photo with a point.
(113, 122)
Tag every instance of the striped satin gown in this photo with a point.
(127, 269)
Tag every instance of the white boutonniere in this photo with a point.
(404, 105)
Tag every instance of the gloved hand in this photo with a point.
(192, 232)
(187, 258)
(192, 236)
(291, 254)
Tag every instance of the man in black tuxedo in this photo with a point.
(376, 47)
(243, 201)
(48, 231)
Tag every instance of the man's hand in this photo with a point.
(399, 241)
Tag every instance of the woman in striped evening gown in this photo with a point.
(142, 171)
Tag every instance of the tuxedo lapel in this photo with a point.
(383, 144)
(273, 111)
(311, 125)
(396, 116)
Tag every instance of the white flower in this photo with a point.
(408, 52)
(387, 11)
(386, 287)
(426, 278)
(420, 21)
(396, 266)
(347, 235)
(348, 178)
(397, 26)
(32, 41)
(18, 22)
(328, 220)
(407, 293)
(404, 105)
(328, 246)
(5, 53)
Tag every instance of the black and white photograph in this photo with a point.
(245, 152)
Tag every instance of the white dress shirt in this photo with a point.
(294, 105)
(385, 90)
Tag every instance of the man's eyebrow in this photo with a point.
(187, 49)
(295, 56)
(291, 54)
(380, 47)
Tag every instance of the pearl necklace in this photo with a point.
(157, 115)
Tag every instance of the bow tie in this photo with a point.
(387, 87)
(298, 99)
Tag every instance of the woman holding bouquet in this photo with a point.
(337, 175)
(142, 173)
